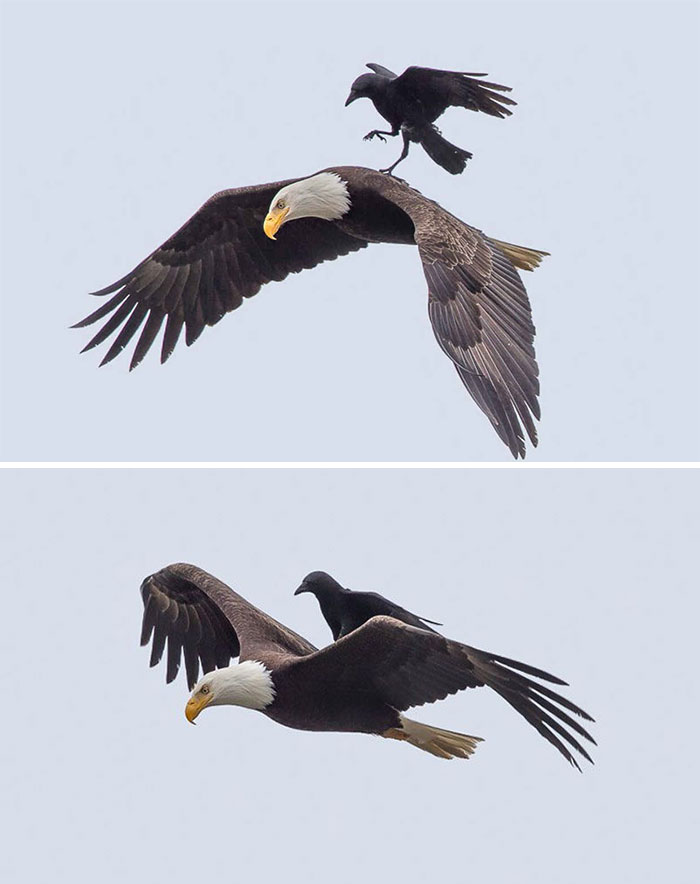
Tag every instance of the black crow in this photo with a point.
(412, 102)
(346, 610)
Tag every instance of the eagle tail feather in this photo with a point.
(435, 740)
(522, 257)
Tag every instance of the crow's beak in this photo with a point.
(302, 588)
(351, 98)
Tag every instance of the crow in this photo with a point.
(413, 101)
(346, 610)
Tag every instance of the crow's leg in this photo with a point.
(404, 154)
(379, 134)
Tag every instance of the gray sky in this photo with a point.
(121, 119)
(587, 574)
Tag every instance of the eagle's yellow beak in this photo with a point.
(274, 221)
(194, 706)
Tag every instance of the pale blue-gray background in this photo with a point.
(121, 119)
(592, 575)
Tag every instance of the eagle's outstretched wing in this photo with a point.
(408, 667)
(205, 621)
(480, 312)
(217, 258)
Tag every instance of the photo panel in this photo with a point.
(585, 574)
(103, 161)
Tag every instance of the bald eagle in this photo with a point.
(412, 102)
(234, 244)
(360, 684)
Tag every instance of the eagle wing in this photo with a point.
(408, 667)
(478, 308)
(481, 317)
(217, 258)
(437, 90)
(205, 621)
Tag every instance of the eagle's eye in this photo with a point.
(280, 204)
(205, 689)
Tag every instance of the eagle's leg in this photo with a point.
(379, 134)
(404, 154)
(395, 733)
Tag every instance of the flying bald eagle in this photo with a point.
(412, 102)
(477, 303)
(360, 684)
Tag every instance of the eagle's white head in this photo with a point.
(247, 684)
(322, 196)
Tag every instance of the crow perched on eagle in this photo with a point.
(362, 683)
(235, 244)
(412, 102)
(347, 609)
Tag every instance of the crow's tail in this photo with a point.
(439, 149)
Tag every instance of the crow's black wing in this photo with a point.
(437, 90)
(382, 71)
(371, 604)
